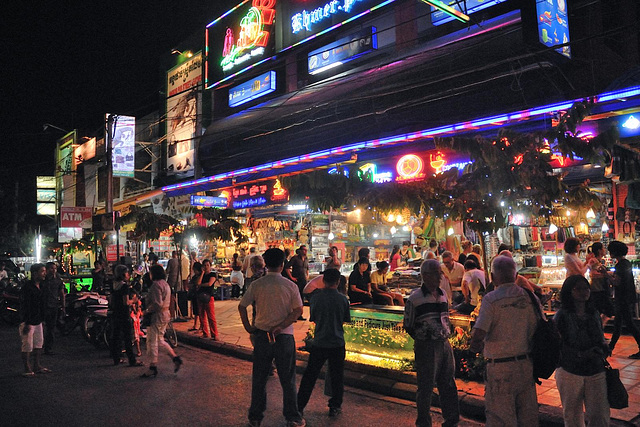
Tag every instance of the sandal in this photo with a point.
(43, 371)
(28, 374)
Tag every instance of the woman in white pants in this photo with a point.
(158, 302)
(581, 376)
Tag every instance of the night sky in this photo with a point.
(69, 63)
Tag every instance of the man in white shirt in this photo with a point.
(454, 271)
(277, 305)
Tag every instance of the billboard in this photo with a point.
(65, 166)
(255, 88)
(45, 195)
(239, 39)
(123, 145)
(303, 20)
(342, 50)
(83, 152)
(553, 24)
(182, 113)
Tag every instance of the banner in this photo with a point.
(76, 217)
(182, 112)
(123, 144)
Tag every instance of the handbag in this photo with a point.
(616, 393)
(545, 352)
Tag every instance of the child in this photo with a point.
(136, 314)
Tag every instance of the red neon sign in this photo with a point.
(437, 162)
(410, 167)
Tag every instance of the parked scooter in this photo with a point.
(76, 310)
(10, 303)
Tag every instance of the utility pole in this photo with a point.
(109, 200)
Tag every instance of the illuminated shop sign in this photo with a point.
(209, 201)
(306, 19)
(260, 194)
(342, 50)
(440, 16)
(252, 89)
(410, 168)
(553, 24)
(629, 125)
(239, 39)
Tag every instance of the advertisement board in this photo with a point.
(553, 24)
(83, 152)
(65, 166)
(68, 234)
(252, 89)
(123, 145)
(342, 50)
(183, 82)
(76, 217)
(112, 252)
(45, 195)
(303, 20)
(239, 39)
(259, 194)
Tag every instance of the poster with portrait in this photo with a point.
(183, 82)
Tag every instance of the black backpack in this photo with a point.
(545, 352)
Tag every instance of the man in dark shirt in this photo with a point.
(329, 310)
(53, 294)
(297, 270)
(32, 315)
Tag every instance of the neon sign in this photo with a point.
(305, 19)
(253, 35)
(410, 167)
(209, 201)
(279, 193)
(437, 162)
(252, 89)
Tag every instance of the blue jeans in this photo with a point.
(317, 357)
(284, 353)
(435, 365)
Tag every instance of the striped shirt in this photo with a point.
(426, 316)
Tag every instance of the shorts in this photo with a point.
(33, 340)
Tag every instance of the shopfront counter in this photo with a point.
(375, 336)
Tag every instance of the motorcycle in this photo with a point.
(97, 324)
(10, 303)
(76, 310)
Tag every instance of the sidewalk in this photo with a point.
(235, 341)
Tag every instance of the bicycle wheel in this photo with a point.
(170, 335)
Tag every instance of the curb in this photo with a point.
(386, 382)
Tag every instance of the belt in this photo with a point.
(509, 359)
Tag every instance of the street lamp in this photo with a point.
(49, 125)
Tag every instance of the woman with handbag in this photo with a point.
(581, 377)
(157, 302)
(206, 285)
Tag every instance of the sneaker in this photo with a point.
(635, 356)
(334, 412)
(300, 423)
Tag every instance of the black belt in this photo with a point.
(509, 359)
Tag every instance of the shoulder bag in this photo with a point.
(545, 352)
(616, 392)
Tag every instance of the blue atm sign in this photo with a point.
(252, 89)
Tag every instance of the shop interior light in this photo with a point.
(375, 235)
(591, 214)
(605, 227)
(331, 236)
(552, 228)
(113, 237)
(391, 218)
(631, 123)
(450, 231)
(568, 212)
(344, 231)
(448, 10)
(393, 230)
(406, 228)
(194, 241)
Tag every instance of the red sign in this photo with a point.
(112, 252)
(75, 217)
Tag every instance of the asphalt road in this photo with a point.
(211, 390)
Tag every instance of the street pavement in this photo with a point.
(211, 389)
(234, 340)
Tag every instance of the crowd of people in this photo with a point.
(275, 285)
